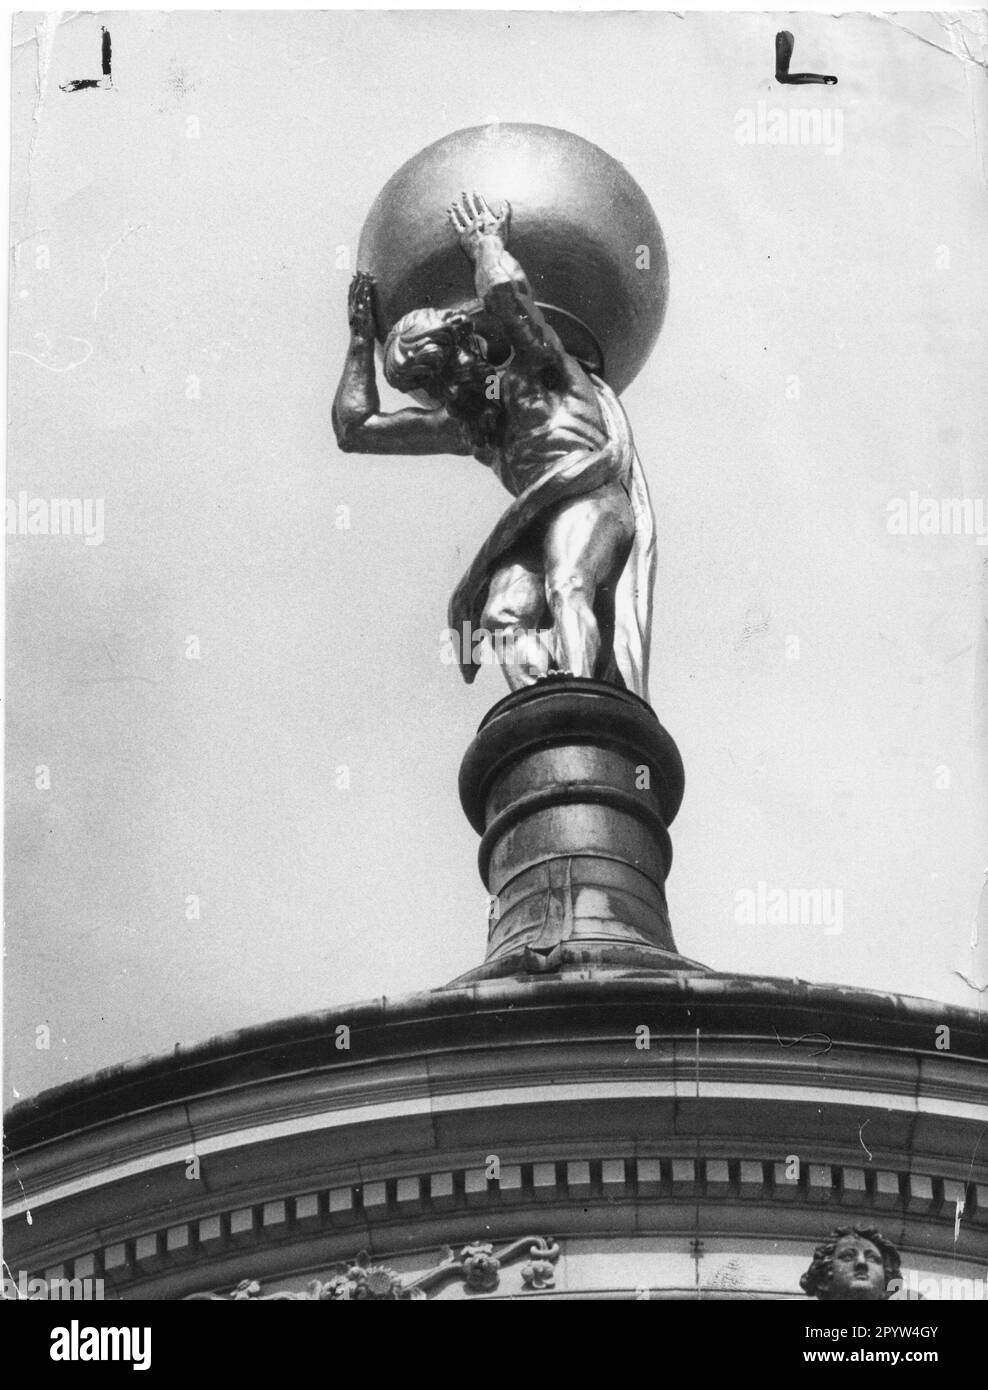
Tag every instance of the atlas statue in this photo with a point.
(563, 583)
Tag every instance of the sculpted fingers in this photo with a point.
(360, 302)
(361, 286)
(351, 299)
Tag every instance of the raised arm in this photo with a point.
(358, 423)
(499, 279)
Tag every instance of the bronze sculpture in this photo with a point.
(855, 1264)
(571, 782)
(564, 580)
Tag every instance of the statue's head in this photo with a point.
(438, 351)
(854, 1263)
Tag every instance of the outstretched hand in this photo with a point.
(360, 307)
(473, 220)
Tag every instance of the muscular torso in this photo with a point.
(549, 414)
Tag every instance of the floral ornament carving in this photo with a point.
(538, 1274)
(481, 1267)
(477, 1266)
(361, 1282)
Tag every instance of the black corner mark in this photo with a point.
(784, 45)
(105, 82)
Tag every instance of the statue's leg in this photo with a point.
(516, 616)
(587, 542)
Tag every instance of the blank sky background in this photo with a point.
(214, 257)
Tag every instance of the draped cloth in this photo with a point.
(580, 472)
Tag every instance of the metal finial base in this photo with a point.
(572, 785)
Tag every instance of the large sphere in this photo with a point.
(581, 227)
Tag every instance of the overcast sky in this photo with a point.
(178, 323)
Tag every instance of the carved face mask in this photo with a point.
(858, 1270)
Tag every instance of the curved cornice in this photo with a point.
(302, 1146)
(510, 1012)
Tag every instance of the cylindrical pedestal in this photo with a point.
(572, 785)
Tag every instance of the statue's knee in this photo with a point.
(498, 613)
(567, 587)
